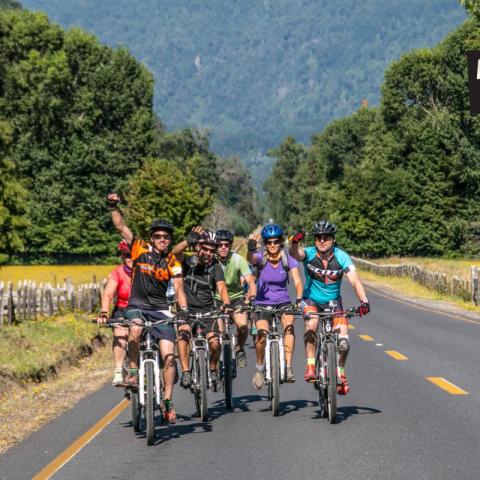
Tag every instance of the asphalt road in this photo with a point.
(394, 424)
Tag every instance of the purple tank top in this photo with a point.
(272, 286)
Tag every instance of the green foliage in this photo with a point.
(12, 199)
(160, 190)
(402, 179)
(472, 7)
(82, 123)
(9, 4)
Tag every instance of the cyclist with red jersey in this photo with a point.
(118, 285)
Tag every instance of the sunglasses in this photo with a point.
(207, 250)
(272, 242)
(224, 244)
(127, 256)
(161, 236)
(325, 238)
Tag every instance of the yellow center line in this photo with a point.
(351, 327)
(80, 442)
(446, 385)
(396, 355)
(367, 338)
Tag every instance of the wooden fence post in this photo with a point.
(474, 271)
(2, 304)
(49, 298)
(10, 304)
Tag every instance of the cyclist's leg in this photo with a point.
(288, 337)
(212, 336)
(240, 319)
(183, 344)
(341, 326)
(167, 347)
(310, 340)
(263, 326)
(120, 337)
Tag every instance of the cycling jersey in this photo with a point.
(124, 284)
(200, 283)
(234, 269)
(324, 276)
(272, 288)
(151, 274)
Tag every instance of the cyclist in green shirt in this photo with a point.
(236, 270)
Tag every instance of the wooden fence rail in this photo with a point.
(28, 301)
(438, 281)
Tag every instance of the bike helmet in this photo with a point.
(123, 247)
(225, 235)
(208, 237)
(271, 231)
(324, 227)
(161, 224)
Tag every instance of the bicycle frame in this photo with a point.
(274, 336)
(148, 354)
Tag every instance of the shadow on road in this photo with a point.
(343, 413)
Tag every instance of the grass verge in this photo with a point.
(36, 350)
(411, 289)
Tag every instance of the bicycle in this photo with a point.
(228, 360)
(200, 360)
(327, 359)
(275, 371)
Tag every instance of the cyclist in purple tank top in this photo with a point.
(274, 267)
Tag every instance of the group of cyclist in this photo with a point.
(216, 277)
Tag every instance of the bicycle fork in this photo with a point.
(271, 338)
(141, 376)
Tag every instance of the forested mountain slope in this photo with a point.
(253, 71)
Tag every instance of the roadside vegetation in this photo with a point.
(35, 350)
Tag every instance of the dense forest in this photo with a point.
(254, 71)
(77, 121)
(403, 178)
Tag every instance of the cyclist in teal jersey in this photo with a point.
(325, 264)
(236, 270)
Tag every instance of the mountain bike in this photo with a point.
(200, 360)
(327, 358)
(275, 371)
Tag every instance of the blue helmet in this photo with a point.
(272, 231)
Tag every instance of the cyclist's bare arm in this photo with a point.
(223, 291)
(109, 294)
(251, 254)
(252, 285)
(354, 279)
(297, 281)
(297, 251)
(117, 218)
(180, 292)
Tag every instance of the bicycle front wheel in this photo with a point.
(227, 375)
(201, 389)
(275, 378)
(320, 384)
(150, 403)
(136, 411)
(331, 381)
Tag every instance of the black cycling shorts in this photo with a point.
(266, 315)
(160, 332)
(215, 326)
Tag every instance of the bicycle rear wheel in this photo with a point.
(332, 381)
(227, 375)
(149, 403)
(275, 378)
(136, 411)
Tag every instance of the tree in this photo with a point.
(160, 190)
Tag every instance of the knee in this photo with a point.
(169, 360)
(184, 335)
(289, 330)
(310, 336)
(261, 335)
(214, 342)
(120, 341)
(343, 344)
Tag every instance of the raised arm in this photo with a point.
(191, 240)
(296, 251)
(252, 246)
(117, 218)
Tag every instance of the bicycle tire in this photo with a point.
(149, 403)
(320, 385)
(227, 375)
(202, 385)
(332, 381)
(275, 377)
(136, 412)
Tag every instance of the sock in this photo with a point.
(310, 361)
(132, 371)
(260, 368)
(167, 403)
(342, 370)
(118, 370)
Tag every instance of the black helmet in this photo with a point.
(208, 237)
(161, 224)
(225, 235)
(324, 227)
